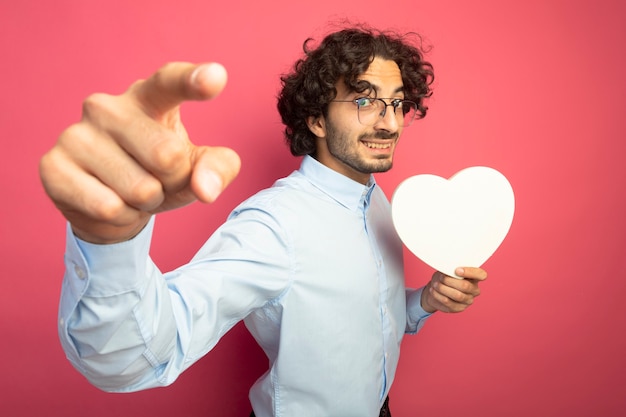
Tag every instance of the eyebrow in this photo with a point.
(376, 88)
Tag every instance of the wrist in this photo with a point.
(107, 234)
(425, 300)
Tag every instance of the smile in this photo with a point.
(373, 145)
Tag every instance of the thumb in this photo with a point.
(214, 168)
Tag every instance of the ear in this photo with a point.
(317, 125)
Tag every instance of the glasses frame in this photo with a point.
(395, 103)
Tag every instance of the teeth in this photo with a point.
(377, 145)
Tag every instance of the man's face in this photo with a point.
(351, 148)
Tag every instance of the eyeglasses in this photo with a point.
(371, 110)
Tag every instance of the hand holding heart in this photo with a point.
(452, 223)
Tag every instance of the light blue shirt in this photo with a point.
(312, 265)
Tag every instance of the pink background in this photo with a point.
(532, 88)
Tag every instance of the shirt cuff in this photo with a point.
(416, 315)
(97, 270)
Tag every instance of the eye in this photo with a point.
(364, 102)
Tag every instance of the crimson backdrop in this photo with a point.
(534, 89)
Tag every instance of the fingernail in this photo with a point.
(212, 71)
(212, 185)
(194, 75)
(460, 271)
(198, 74)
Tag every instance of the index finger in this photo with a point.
(177, 82)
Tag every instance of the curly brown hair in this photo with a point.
(346, 54)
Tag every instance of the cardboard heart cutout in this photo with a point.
(455, 222)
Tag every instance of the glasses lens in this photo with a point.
(370, 111)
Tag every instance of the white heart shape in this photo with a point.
(455, 222)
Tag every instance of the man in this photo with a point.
(312, 264)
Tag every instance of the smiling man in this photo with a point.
(312, 265)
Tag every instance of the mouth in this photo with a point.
(376, 145)
(379, 142)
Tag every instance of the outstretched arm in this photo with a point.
(121, 322)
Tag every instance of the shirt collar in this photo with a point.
(345, 191)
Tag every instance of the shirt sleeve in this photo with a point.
(127, 326)
(415, 315)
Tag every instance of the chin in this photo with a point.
(384, 169)
(380, 167)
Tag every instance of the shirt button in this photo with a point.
(80, 272)
(61, 322)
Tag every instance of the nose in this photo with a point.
(388, 120)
